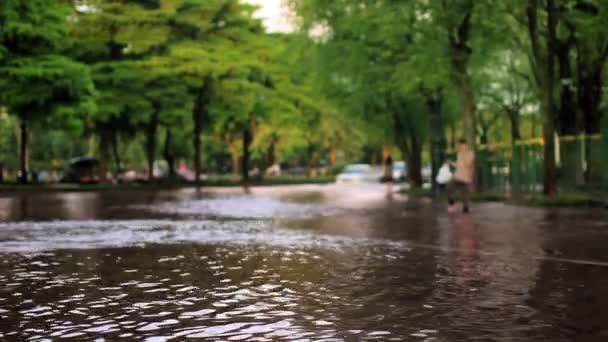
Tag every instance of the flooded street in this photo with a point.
(299, 263)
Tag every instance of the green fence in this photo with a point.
(527, 167)
(493, 169)
(582, 163)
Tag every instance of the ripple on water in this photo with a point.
(36, 237)
(155, 303)
(238, 280)
(199, 313)
(244, 206)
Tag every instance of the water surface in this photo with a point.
(305, 263)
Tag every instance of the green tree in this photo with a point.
(8, 143)
(206, 45)
(455, 18)
(543, 43)
(36, 80)
(564, 40)
(113, 37)
(298, 117)
(508, 89)
(368, 56)
(169, 101)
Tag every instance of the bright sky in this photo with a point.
(274, 15)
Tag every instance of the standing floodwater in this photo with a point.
(308, 263)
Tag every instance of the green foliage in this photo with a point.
(31, 28)
(37, 82)
(368, 55)
(46, 85)
(8, 140)
(357, 75)
(35, 79)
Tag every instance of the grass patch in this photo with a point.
(565, 200)
(568, 200)
(489, 197)
(417, 192)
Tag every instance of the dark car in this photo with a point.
(81, 170)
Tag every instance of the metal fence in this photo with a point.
(582, 164)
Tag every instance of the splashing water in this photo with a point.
(42, 236)
(244, 207)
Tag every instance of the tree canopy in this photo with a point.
(201, 83)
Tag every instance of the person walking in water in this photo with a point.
(463, 176)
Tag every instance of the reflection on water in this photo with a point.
(296, 264)
(187, 290)
(260, 292)
(242, 206)
(28, 237)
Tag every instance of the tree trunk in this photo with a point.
(23, 153)
(245, 164)
(151, 137)
(567, 118)
(467, 100)
(234, 155)
(514, 121)
(313, 160)
(313, 166)
(104, 154)
(589, 100)
(168, 154)
(199, 110)
(453, 135)
(433, 102)
(117, 161)
(276, 151)
(483, 138)
(460, 53)
(543, 61)
(550, 171)
(590, 97)
(198, 128)
(571, 164)
(414, 170)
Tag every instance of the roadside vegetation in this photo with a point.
(189, 90)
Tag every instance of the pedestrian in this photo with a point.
(463, 176)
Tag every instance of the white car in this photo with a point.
(399, 171)
(359, 173)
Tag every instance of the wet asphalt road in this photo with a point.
(300, 263)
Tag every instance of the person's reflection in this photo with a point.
(389, 191)
(78, 206)
(14, 209)
(24, 206)
(5, 207)
(465, 243)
